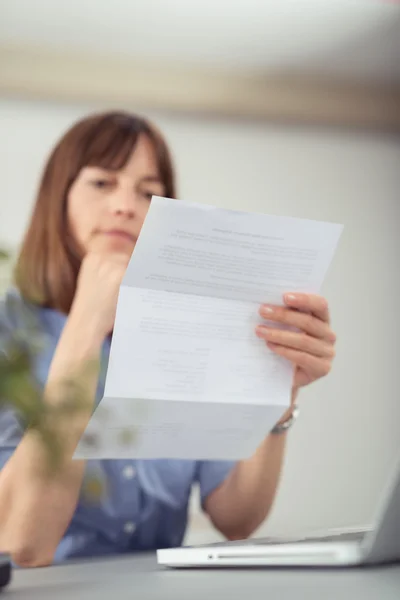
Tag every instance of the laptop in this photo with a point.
(336, 548)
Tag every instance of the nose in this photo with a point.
(123, 202)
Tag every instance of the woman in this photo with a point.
(93, 198)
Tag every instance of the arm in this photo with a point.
(36, 509)
(244, 500)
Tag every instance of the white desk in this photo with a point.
(141, 578)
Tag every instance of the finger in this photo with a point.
(292, 318)
(309, 303)
(296, 341)
(317, 367)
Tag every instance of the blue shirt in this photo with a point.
(144, 505)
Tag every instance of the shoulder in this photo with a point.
(19, 319)
(9, 306)
(13, 308)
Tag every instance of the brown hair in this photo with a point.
(48, 263)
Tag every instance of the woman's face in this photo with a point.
(106, 209)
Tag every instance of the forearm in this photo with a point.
(40, 504)
(246, 497)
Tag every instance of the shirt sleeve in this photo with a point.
(210, 475)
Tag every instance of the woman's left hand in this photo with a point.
(312, 348)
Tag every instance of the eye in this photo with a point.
(100, 183)
(147, 195)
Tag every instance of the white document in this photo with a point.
(187, 377)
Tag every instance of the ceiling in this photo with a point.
(349, 39)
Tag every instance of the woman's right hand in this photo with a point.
(98, 284)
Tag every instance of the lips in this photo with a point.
(120, 233)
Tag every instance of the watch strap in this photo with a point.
(282, 427)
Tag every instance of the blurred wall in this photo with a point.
(340, 451)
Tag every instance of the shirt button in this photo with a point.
(129, 472)
(129, 527)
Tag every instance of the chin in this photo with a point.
(124, 246)
(115, 244)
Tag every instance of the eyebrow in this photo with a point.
(145, 179)
(150, 179)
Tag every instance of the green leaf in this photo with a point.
(127, 437)
(93, 489)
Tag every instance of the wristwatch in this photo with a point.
(282, 427)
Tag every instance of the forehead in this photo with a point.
(137, 159)
(142, 159)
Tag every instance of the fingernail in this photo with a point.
(290, 297)
(267, 309)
